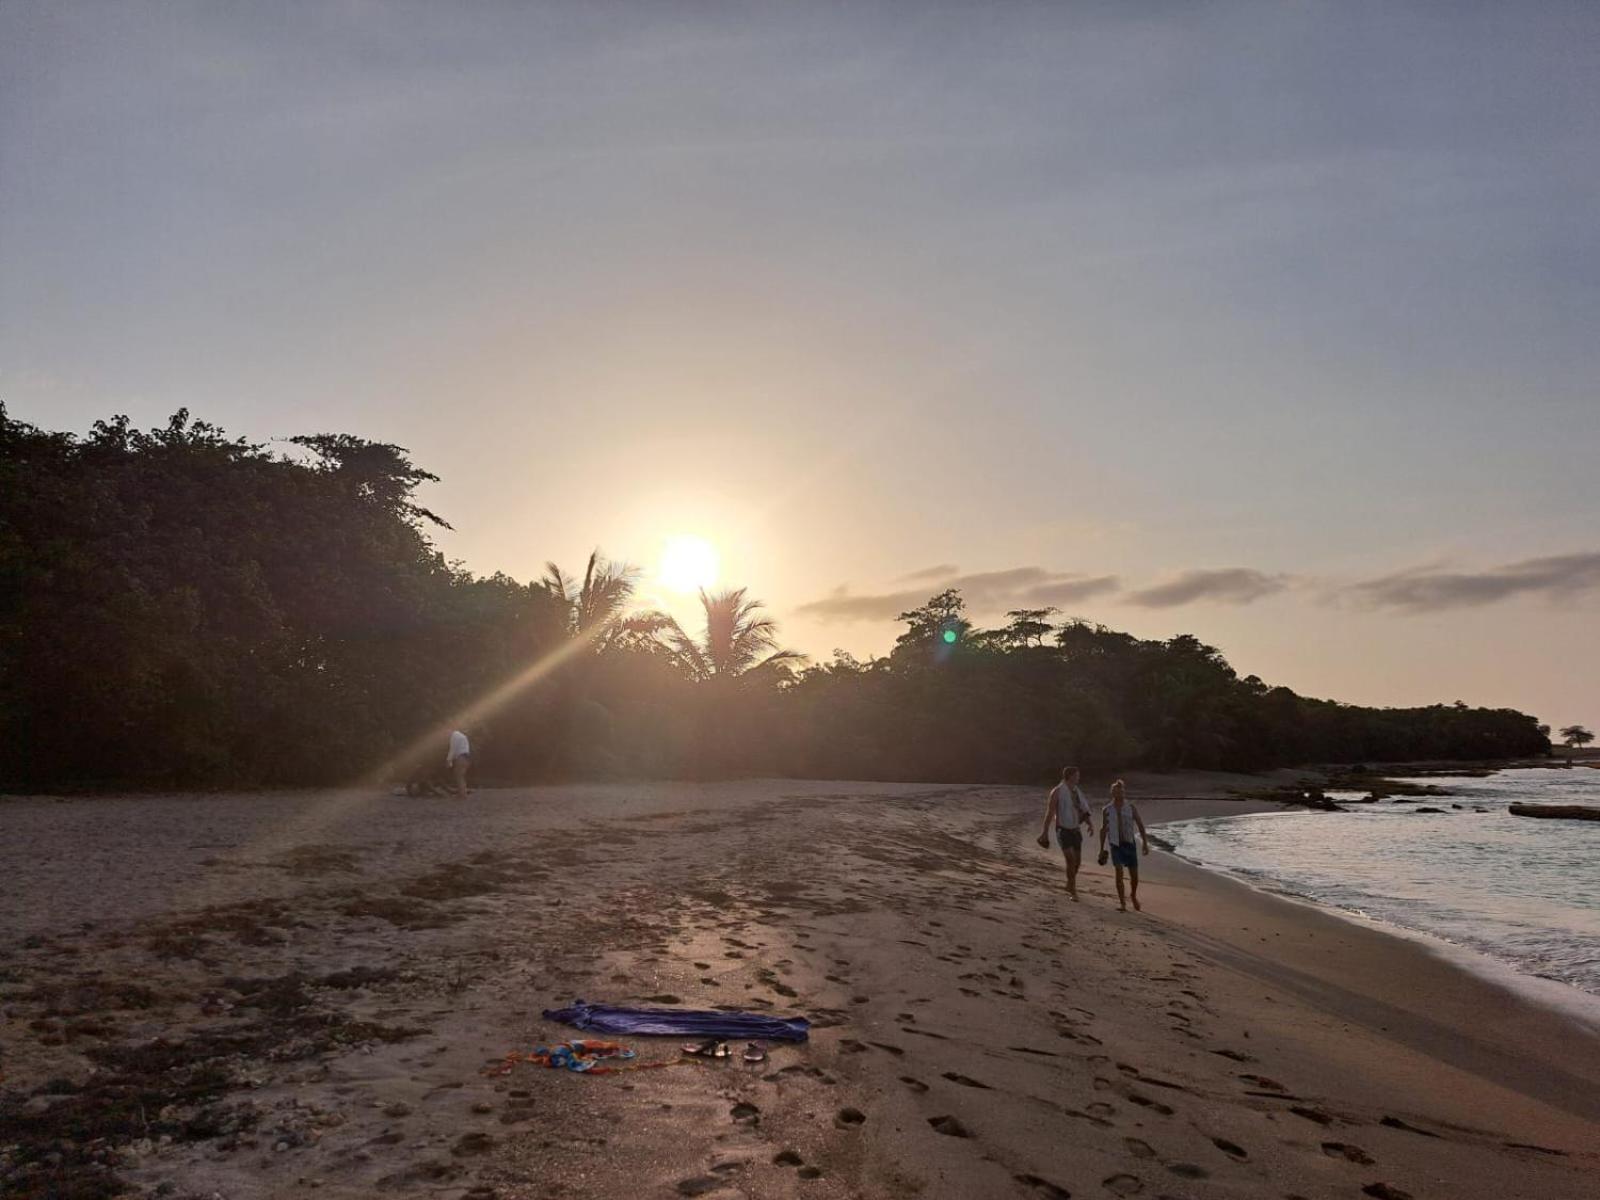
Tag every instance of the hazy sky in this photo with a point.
(1274, 323)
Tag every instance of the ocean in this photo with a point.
(1521, 893)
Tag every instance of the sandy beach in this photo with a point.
(284, 994)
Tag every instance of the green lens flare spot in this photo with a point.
(949, 637)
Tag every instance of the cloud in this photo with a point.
(840, 605)
(984, 591)
(1229, 585)
(1428, 589)
(942, 571)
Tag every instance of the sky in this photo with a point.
(1267, 322)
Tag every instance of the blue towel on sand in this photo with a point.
(606, 1018)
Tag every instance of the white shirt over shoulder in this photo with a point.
(459, 748)
(1120, 826)
(1071, 808)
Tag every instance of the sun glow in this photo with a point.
(688, 563)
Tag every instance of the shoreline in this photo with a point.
(331, 974)
(1558, 996)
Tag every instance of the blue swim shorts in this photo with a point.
(1125, 854)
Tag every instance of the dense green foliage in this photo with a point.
(179, 608)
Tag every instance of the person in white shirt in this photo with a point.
(1068, 810)
(1119, 820)
(458, 759)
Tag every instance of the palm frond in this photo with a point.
(737, 636)
(685, 649)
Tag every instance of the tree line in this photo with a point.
(179, 608)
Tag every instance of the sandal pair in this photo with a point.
(708, 1049)
(712, 1048)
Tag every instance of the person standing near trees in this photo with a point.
(1119, 820)
(1068, 810)
(458, 759)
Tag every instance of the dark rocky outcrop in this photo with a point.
(1566, 812)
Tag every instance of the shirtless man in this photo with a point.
(1067, 810)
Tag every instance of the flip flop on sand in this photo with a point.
(707, 1049)
(754, 1054)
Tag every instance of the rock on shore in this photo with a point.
(1568, 812)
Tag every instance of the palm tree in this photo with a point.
(595, 606)
(737, 639)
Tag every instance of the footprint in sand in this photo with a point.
(1153, 1105)
(1397, 1123)
(699, 1185)
(1535, 1149)
(1139, 1148)
(1188, 1170)
(797, 1069)
(1311, 1114)
(788, 1158)
(1348, 1152)
(1123, 1185)
(1231, 1149)
(949, 1126)
(965, 1081)
(849, 1116)
(888, 1048)
(745, 1114)
(809, 1172)
(1385, 1191)
(1264, 1081)
(1100, 1109)
(1043, 1187)
(916, 1085)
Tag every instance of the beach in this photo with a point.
(281, 994)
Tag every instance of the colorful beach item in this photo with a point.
(674, 1022)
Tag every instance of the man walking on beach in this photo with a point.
(1068, 810)
(458, 759)
(1120, 820)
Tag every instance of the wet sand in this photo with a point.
(287, 994)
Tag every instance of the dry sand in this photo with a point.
(296, 994)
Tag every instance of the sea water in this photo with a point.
(1522, 891)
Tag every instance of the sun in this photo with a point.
(688, 563)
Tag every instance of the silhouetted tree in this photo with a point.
(940, 622)
(1028, 626)
(180, 608)
(596, 606)
(736, 639)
